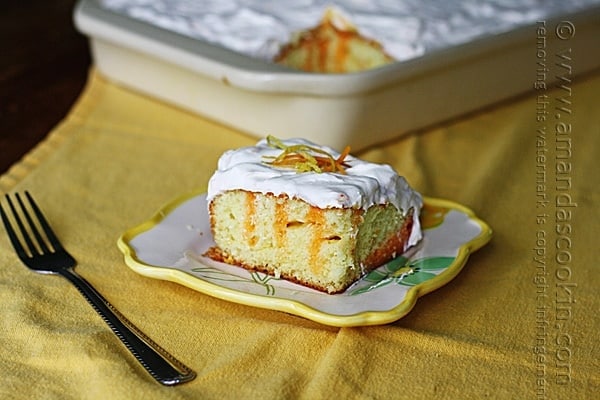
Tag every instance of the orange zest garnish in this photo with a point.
(304, 158)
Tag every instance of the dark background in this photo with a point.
(44, 63)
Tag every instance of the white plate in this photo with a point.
(170, 245)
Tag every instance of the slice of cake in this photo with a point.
(308, 214)
(333, 46)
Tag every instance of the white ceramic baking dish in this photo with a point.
(359, 109)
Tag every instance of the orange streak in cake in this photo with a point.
(323, 50)
(317, 221)
(309, 58)
(280, 224)
(342, 52)
(249, 225)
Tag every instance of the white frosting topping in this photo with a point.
(407, 29)
(363, 185)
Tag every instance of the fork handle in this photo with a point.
(163, 367)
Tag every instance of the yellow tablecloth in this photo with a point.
(510, 326)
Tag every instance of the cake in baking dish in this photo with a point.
(308, 214)
(333, 46)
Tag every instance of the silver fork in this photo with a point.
(47, 256)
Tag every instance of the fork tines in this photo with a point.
(26, 225)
